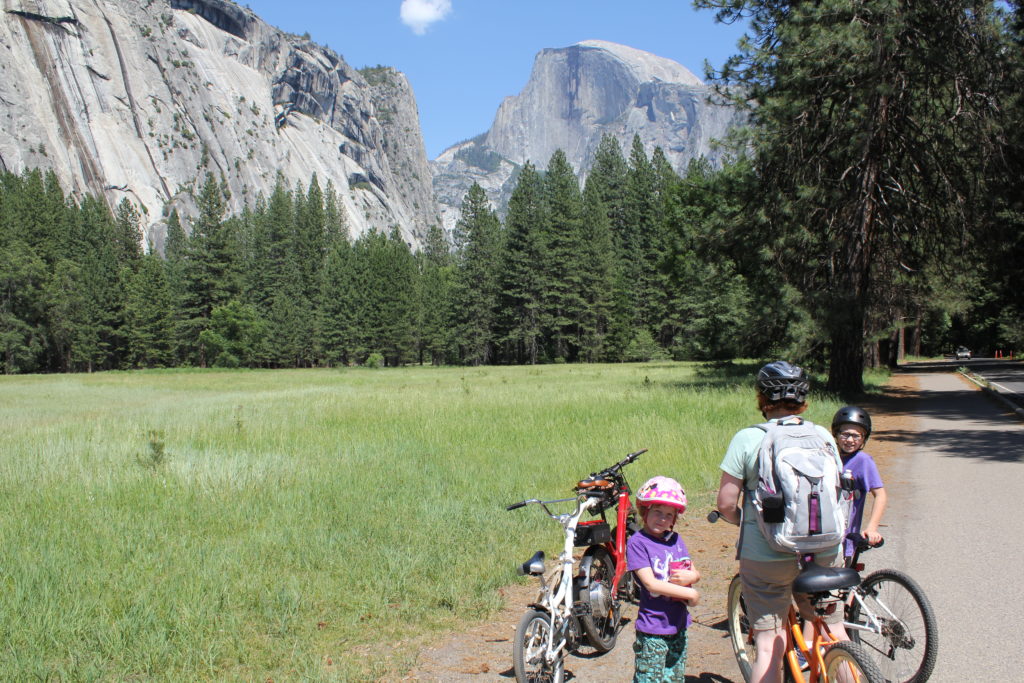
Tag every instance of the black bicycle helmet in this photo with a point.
(782, 381)
(852, 415)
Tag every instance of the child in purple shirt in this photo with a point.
(661, 563)
(852, 426)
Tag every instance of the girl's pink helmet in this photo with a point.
(663, 490)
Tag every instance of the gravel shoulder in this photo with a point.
(483, 652)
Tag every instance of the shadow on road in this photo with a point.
(967, 427)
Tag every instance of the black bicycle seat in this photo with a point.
(818, 579)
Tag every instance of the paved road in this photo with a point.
(957, 522)
(1006, 378)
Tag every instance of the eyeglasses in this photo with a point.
(852, 436)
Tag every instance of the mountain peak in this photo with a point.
(646, 66)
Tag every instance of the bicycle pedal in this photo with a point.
(582, 609)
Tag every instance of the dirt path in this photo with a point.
(484, 651)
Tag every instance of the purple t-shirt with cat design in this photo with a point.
(658, 615)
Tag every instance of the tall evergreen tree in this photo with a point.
(436, 272)
(562, 303)
(521, 283)
(599, 268)
(22, 332)
(339, 305)
(641, 244)
(864, 116)
(209, 269)
(149, 315)
(476, 289)
(608, 176)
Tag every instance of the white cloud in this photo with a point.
(420, 14)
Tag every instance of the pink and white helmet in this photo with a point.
(664, 491)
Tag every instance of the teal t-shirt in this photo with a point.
(740, 461)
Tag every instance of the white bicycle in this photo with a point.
(566, 613)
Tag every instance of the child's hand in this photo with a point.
(684, 577)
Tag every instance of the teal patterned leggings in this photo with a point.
(660, 659)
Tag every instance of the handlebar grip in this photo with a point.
(713, 516)
(629, 458)
(633, 456)
(515, 506)
(862, 544)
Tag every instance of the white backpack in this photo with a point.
(800, 506)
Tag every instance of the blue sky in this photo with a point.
(463, 57)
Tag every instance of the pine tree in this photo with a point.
(149, 311)
(398, 283)
(334, 298)
(599, 267)
(128, 233)
(339, 305)
(436, 272)
(608, 180)
(865, 117)
(209, 274)
(476, 289)
(642, 247)
(562, 303)
(22, 279)
(521, 283)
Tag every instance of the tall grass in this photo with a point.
(307, 525)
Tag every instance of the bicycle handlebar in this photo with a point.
(617, 467)
(861, 544)
(715, 515)
(611, 471)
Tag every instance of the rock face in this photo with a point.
(140, 98)
(574, 97)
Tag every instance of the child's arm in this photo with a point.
(879, 500)
(684, 593)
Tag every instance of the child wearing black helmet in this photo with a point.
(852, 426)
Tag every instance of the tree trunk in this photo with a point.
(846, 366)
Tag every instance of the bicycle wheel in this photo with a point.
(895, 623)
(528, 650)
(739, 629)
(847, 662)
(600, 620)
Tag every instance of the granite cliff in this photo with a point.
(140, 98)
(575, 96)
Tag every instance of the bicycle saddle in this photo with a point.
(533, 566)
(818, 579)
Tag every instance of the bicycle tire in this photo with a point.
(529, 647)
(739, 629)
(600, 621)
(848, 662)
(908, 644)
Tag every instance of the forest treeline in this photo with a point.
(873, 205)
(615, 271)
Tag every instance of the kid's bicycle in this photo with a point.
(828, 659)
(579, 606)
(891, 617)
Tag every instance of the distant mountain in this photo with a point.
(574, 97)
(140, 98)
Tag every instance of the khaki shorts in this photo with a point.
(767, 592)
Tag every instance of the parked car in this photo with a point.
(963, 353)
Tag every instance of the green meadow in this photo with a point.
(309, 524)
